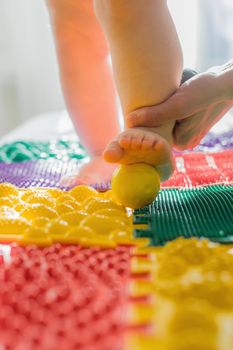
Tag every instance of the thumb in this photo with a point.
(172, 109)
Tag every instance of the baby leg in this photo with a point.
(86, 79)
(147, 64)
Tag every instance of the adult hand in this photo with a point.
(196, 106)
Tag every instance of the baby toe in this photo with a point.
(113, 152)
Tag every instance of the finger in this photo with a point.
(189, 132)
(193, 96)
(176, 107)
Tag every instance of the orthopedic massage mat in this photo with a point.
(78, 271)
(21, 151)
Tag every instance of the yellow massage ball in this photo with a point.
(135, 185)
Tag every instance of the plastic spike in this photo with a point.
(101, 242)
(141, 314)
(148, 250)
(140, 265)
(141, 227)
(140, 242)
(36, 236)
(10, 238)
(141, 219)
(143, 342)
(141, 288)
(143, 233)
(7, 189)
(12, 226)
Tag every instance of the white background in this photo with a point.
(29, 82)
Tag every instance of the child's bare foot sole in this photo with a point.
(141, 145)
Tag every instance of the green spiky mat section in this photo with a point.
(21, 151)
(198, 212)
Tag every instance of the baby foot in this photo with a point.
(146, 145)
(95, 171)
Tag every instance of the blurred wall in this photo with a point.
(215, 33)
(29, 82)
(185, 16)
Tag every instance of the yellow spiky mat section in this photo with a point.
(186, 296)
